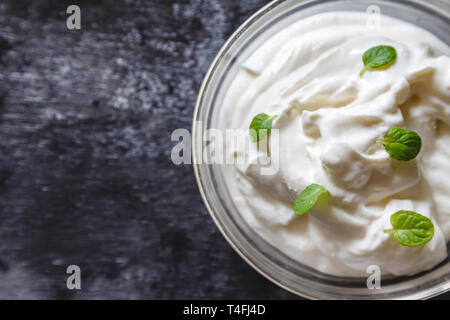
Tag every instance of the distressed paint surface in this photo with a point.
(85, 171)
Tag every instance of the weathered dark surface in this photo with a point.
(85, 170)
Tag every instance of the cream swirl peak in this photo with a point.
(329, 119)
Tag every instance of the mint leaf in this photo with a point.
(308, 198)
(261, 126)
(378, 58)
(411, 229)
(402, 144)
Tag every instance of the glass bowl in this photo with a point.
(433, 15)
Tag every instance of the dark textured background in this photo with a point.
(85, 170)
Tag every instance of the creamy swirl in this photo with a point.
(329, 119)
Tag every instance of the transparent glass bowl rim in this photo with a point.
(198, 168)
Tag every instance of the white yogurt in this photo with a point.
(329, 119)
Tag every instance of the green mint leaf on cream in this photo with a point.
(411, 229)
(309, 198)
(402, 144)
(378, 58)
(261, 126)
